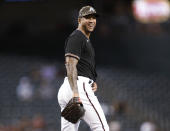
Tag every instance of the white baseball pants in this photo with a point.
(94, 115)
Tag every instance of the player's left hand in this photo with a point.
(74, 110)
(94, 86)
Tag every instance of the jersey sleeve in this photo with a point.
(73, 47)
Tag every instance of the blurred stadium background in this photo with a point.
(132, 43)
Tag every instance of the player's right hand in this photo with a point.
(94, 86)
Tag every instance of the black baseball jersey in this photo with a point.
(79, 46)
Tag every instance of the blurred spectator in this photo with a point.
(24, 125)
(148, 126)
(35, 76)
(25, 90)
(114, 126)
(46, 90)
(121, 107)
(38, 123)
(47, 86)
(48, 73)
(107, 109)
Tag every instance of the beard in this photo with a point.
(85, 28)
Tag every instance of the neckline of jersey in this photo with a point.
(83, 34)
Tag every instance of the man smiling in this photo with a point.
(80, 82)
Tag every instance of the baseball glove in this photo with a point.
(74, 110)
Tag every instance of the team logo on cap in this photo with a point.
(91, 9)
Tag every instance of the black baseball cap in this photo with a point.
(87, 10)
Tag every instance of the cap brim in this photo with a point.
(95, 14)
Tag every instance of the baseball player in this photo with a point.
(79, 85)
